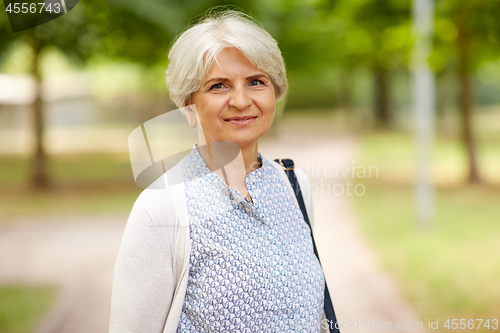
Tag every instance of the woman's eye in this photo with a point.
(217, 86)
(256, 82)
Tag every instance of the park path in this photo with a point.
(365, 298)
(78, 252)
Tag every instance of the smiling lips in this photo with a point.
(240, 121)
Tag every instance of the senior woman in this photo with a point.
(227, 248)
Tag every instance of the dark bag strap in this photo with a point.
(288, 166)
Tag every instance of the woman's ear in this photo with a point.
(188, 101)
(190, 115)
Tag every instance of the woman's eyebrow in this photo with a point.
(257, 76)
(219, 79)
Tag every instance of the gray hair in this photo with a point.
(195, 50)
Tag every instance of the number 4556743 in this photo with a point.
(32, 8)
(471, 324)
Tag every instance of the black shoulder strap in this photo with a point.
(288, 166)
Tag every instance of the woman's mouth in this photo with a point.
(240, 121)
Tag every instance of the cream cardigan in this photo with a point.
(151, 271)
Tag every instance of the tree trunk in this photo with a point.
(345, 95)
(381, 96)
(466, 108)
(441, 95)
(39, 171)
(347, 116)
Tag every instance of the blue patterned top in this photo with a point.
(252, 266)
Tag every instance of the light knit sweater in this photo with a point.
(151, 271)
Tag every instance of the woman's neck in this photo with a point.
(250, 158)
(231, 162)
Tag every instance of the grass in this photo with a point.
(395, 154)
(452, 269)
(80, 183)
(22, 307)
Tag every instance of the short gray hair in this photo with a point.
(196, 48)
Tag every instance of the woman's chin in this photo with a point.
(245, 143)
(251, 139)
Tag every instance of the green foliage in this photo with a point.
(314, 35)
(306, 90)
(475, 22)
(368, 33)
(21, 307)
(6, 35)
(129, 30)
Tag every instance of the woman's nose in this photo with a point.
(240, 98)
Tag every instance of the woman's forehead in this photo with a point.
(231, 61)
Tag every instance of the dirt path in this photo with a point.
(79, 252)
(365, 298)
(76, 253)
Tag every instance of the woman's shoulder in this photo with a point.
(163, 200)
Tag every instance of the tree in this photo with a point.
(373, 34)
(468, 34)
(122, 29)
(386, 23)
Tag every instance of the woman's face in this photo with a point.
(236, 102)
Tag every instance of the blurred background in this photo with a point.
(72, 90)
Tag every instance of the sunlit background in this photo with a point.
(73, 89)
